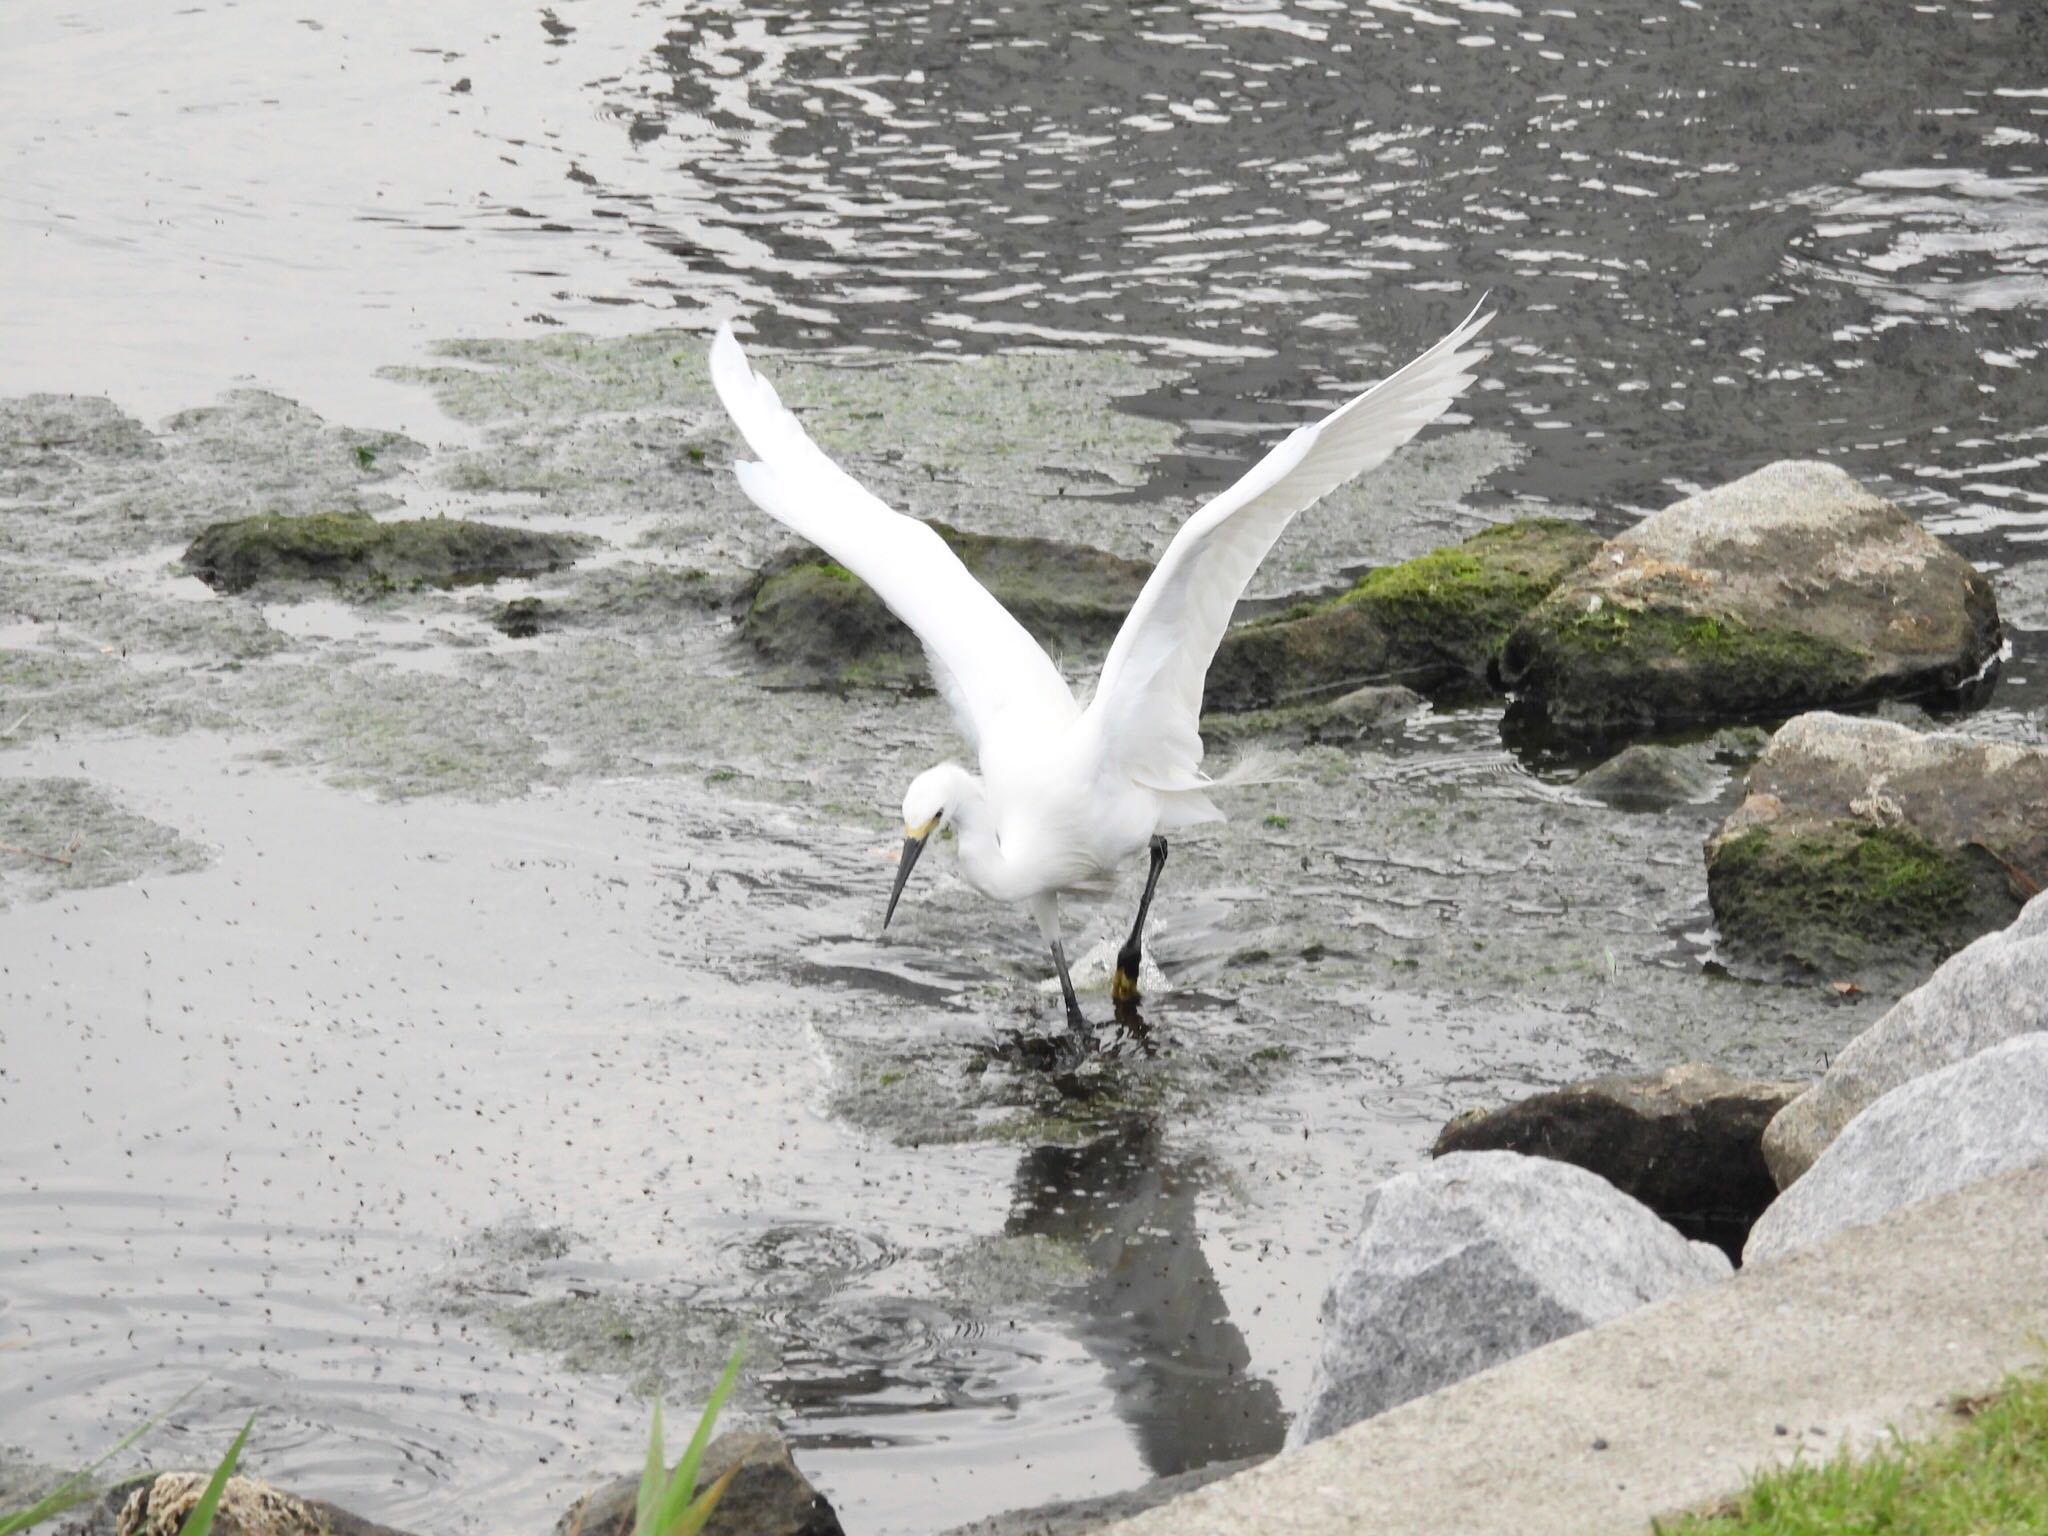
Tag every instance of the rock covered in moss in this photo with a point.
(521, 619)
(825, 624)
(1433, 622)
(1865, 846)
(768, 1496)
(357, 551)
(1792, 588)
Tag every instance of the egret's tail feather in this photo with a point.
(1254, 765)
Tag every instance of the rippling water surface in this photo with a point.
(445, 1128)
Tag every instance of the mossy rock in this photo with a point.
(1849, 900)
(355, 551)
(1867, 849)
(1434, 623)
(1790, 589)
(826, 625)
(1612, 667)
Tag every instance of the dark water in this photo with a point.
(526, 1036)
(1719, 234)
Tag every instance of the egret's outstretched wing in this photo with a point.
(1149, 701)
(995, 676)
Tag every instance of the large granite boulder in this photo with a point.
(1687, 1142)
(1475, 1259)
(768, 1496)
(359, 553)
(1792, 588)
(1991, 991)
(1866, 847)
(1434, 623)
(1968, 1122)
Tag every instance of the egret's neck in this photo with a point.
(980, 850)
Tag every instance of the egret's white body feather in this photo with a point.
(1067, 795)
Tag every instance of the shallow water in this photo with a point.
(441, 1043)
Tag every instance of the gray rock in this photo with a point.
(1686, 1142)
(1792, 588)
(1865, 847)
(1478, 1258)
(1649, 776)
(1376, 710)
(1988, 993)
(1950, 1129)
(768, 1495)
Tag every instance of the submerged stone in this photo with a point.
(1434, 622)
(1864, 846)
(1792, 588)
(354, 550)
(1649, 776)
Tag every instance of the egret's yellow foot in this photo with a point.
(1123, 987)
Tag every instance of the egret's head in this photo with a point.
(930, 803)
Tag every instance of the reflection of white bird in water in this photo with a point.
(1066, 793)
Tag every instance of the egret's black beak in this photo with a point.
(913, 845)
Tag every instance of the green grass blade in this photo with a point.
(66, 1495)
(72, 1491)
(200, 1521)
(692, 1520)
(651, 1479)
(676, 1500)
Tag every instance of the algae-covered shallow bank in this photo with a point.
(480, 1032)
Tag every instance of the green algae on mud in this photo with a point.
(70, 835)
(1032, 421)
(356, 552)
(1433, 622)
(1849, 900)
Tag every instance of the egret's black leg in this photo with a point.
(1124, 989)
(1075, 1022)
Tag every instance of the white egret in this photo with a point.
(1068, 792)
